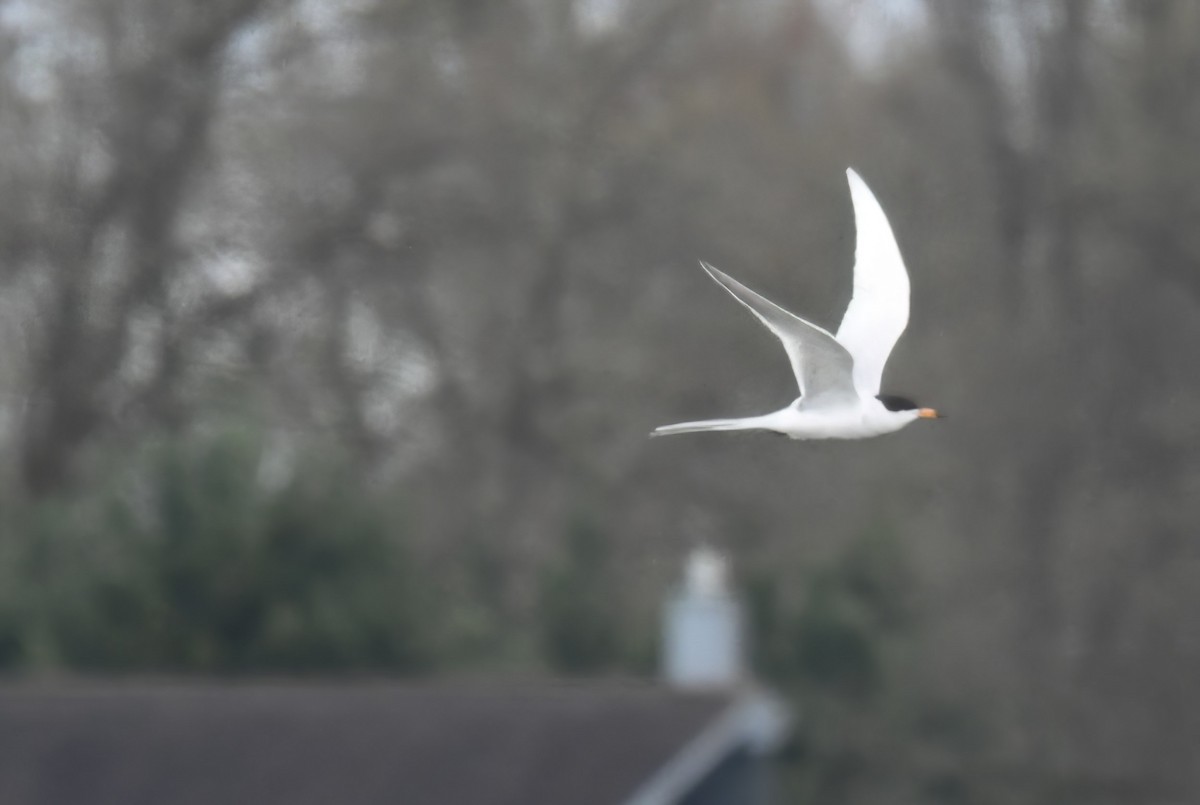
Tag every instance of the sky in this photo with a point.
(869, 27)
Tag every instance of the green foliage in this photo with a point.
(867, 729)
(580, 632)
(833, 639)
(476, 629)
(11, 632)
(851, 611)
(835, 650)
(186, 561)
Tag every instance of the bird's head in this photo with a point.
(894, 402)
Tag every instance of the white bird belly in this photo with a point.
(856, 422)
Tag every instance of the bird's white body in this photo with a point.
(839, 376)
(862, 421)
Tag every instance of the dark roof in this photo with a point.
(177, 744)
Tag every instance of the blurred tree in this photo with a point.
(104, 261)
(581, 619)
(1081, 79)
(870, 726)
(189, 563)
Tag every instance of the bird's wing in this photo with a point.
(878, 311)
(823, 367)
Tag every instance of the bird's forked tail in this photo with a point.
(745, 423)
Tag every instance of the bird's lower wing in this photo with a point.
(823, 368)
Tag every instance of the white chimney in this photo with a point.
(702, 627)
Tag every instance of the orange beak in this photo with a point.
(929, 413)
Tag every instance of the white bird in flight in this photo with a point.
(839, 376)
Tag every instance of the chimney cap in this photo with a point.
(706, 573)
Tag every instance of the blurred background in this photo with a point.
(332, 332)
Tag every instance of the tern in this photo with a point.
(839, 375)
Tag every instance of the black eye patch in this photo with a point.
(894, 402)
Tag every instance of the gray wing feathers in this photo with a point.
(823, 367)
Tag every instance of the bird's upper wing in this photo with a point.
(823, 367)
(878, 311)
